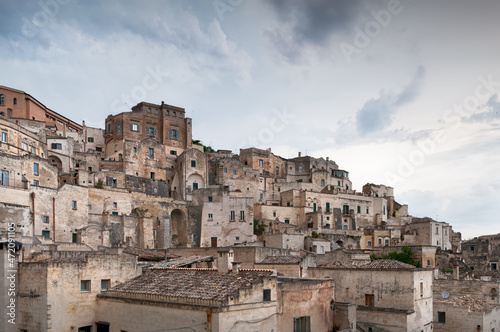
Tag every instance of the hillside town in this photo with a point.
(137, 226)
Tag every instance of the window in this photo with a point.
(225, 170)
(151, 153)
(115, 205)
(4, 137)
(105, 284)
(193, 163)
(369, 300)
(437, 230)
(346, 227)
(173, 152)
(277, 170)
(118, 128)
(33, 150)
(195, 185)
(210, 199)
(46, 234)
(156, 111)
(261, 163)
(359, 209)
(287, 221)
(56, 146)
(174, 134)
(116, 148)
(90, 139)
(442, 317)
(74, 238)
(135, 127)
(4, 179)
(152, 175)
(234, 172)
(25, 147)
(35, 168)
(261, 196)
(149, 110)
(367, 211)
(428, 262)
(267, 295)
(421, 289)
(73, 205)
(380, 241)
(493, 266)
(15, 101)
(151, 131)
(302, 324)
(35, 183)
(85, 286)
(2, 100)
(210, 216)
(322, 182)
(231, 216)
(327, 208)
(300, 169)
(345, 209)
(45, 219)
(242, 215)
(386, 241)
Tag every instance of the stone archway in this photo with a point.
(179, 228)
(55, 161)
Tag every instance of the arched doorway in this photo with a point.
(55, 161)
(179, 228)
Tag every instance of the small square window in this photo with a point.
(267, 295)
(210, 198)
(210, 216)
(193, 163)
(442, 317)
(85, 286)
(46, 234)
(105, 284)
(73, 205)
(45, 219)
(90, 139)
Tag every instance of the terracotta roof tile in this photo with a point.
(281, 260)
(206, 284)
(387, 264)
(334, 264)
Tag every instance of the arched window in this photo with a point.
(15, 101)
(2, 100)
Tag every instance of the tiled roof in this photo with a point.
(183, 261)
(472, 303)
(281, 260)
(146, 254)
(387, 264)
(206, 284)
(332, 265)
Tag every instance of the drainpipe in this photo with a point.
(54, 218)
(33, 205)
(209, 320)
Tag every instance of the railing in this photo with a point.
(13, 182)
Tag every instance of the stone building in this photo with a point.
(226, 217)
(18, 104)
(390, 295)
(465, 314)
(221, 299)
(426, 231)
(58, 291)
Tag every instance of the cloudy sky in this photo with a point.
(404, 93)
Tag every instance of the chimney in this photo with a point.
(300, 153)
(83, 123)
(236, 267)
(225, 257)
(327, 159)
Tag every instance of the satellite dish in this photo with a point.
(445, 295)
